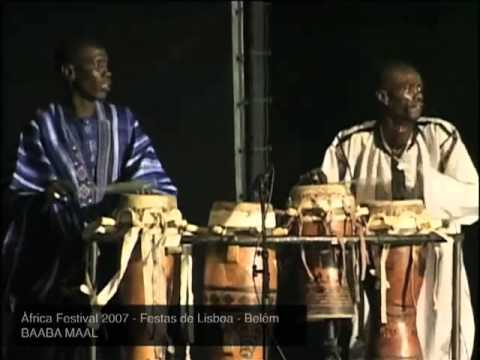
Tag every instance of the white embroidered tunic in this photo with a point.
(436, 167)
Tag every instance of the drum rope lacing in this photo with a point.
(149, 226)
(437, 259)
(384, 284)
(326, 218)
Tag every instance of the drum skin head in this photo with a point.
(400, 217)
(166, 202)
(395, 208)
(325, 196)
(240, 215)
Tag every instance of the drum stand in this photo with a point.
(92, 257)
(330, 345)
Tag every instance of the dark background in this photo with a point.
(171, 64)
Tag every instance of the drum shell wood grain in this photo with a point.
(328, 296)
(228, 275)
(228, 280)
(397, 339)
(131, 292)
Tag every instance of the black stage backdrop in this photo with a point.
(323, 59)
(171, 64)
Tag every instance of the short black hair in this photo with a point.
(386, 68)
(68, 49)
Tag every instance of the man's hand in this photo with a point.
(59, 190)
(314, 176)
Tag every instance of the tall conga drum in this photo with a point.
(150, 249)
(228, 271)
(393, 286)
(324, 210)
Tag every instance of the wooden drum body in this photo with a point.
(152, 275)
(324, 210)
(401, 268)
(397, 338)
(132, 292)
(228, 277)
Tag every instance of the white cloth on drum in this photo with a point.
(152, 240)
(186, 290)
(437, 168)
(110, 289)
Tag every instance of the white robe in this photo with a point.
(437, 168)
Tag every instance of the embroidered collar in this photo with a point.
(381, 142)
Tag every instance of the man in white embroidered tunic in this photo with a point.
(407, 156)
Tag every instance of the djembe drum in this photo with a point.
(324, 210)
(228, 272)
(149, 265)
(393, 286)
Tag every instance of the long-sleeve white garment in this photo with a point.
(437, 168)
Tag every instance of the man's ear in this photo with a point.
(68, 72)
(382, 96)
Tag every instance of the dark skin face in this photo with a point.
(89, 79)
(402, 99)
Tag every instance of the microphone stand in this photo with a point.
(92, 254)
(265, 270)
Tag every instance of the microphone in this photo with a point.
(263, 178)
(262, 191)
